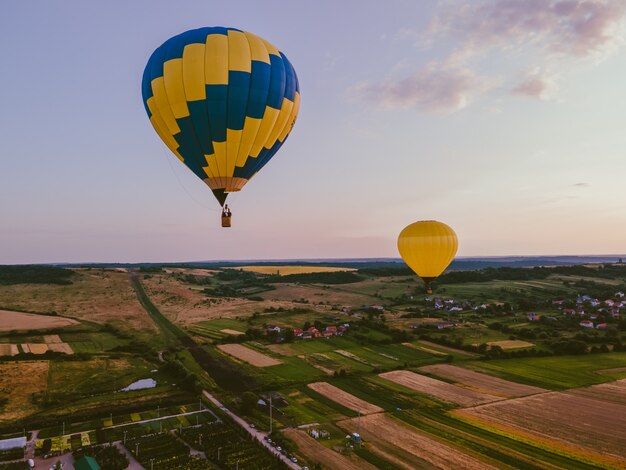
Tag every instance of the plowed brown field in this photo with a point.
(482, 382)
(248, 355)
(593, 418)
(315, 452)
(10, 320)
(438, 389)
(95, 295)
(381, 429)
(344, 398)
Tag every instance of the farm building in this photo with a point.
(533, 316)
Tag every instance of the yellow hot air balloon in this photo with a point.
(428, 247)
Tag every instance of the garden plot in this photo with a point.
(9, 349)
(482, 382)
(35, 348)
(438, 389)
(344, 398)
(313, 451)
(248, 355)
(228, 331)
(389, 437)
(593, 418)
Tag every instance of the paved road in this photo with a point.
(132, 462)
(259, 435)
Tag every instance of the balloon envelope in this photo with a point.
(223, 101)
(428, 247)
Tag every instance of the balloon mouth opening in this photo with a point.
(220, 195)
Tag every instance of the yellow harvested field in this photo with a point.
(428, 350)
(95, 295)
(248, 355)
(313, 451)
(19, 381)
(61, 347)
(48, 339)
(228, 331)
(511, 344)
(482, 382)
(19, 321)
(592, 419)
(408, 445)
(449, 349)
(287, 270)
(438, 389)
(8, 349)
(344, 398)
(37, 348)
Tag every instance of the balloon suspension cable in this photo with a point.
(169, 162)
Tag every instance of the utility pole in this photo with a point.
(151, 464)
(158, 411)
(137, 450)
(270, 412)
(218, 451)
(125, 437)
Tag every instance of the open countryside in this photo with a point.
(425, 367)
(325, 235)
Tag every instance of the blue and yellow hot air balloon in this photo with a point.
(223, 101)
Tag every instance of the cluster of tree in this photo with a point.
(330, 277)
(33, 274)
(185, 379)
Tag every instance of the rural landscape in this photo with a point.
(272, 235)
(181, 366)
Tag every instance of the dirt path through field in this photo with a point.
(344, 398)
(482, 382)
(382, 429)
(438, 389)
(315, 452)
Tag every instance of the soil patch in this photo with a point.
(344, 398)
(248, 355)
(438, 389)
(482, 382)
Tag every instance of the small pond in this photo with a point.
(140, 385)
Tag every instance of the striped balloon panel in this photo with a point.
(223, 101)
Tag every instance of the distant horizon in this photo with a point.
(494, 117)
(503, 258)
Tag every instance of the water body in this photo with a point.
(140, 385)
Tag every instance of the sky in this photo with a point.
(503, 118)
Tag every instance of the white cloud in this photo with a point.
(538, 34)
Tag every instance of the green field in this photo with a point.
(557, 373)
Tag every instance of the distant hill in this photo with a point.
(464, 263)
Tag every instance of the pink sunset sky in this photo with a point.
(503, 118)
